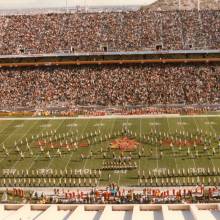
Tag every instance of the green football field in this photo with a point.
(72, 152)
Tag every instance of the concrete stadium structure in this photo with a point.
(107, 212)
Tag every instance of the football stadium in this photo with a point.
(110, 111)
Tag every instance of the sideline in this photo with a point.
(108, 117)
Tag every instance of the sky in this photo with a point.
(20, 4)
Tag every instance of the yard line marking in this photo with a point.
(51, 161)
(32, 141)
(139, 168)
(156, 146)
(72, 125)
(45, 126)
(182, 123)
(25, 134)
(67, 164)
(119, 177)
(90, 147)
(154, 123)
(185, 132)
(112, 129)
(211, 126)
(210, 123)
(4, 127)
(172, 146)
(99, 124)
(127, 124)
(213, 166)
(19, 126)
(197, 126)
(33, 162)
(38, 154)
(11, 133)
(119, 173)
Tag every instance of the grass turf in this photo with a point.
(173, 158)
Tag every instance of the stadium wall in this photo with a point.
(108, 212)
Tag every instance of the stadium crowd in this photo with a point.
(109, 31)
(112, 85)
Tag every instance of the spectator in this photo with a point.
(114, 31)
(114, 85)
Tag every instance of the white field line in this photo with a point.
(139, 168)
(4, 140)
(112, 129)
(172, 146)
(90, 147)
(183, 127)
(210, 158)
(38, 154)
(156, 145)
(211, 127)
(67, 164)
(33, 162)
(119, 176)
(51, 161)
(198, 127)
(213, 165)
(19, 140)
(109, 117)
(5, 126)
(11, 133)
(140, 129)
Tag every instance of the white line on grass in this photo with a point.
(11, 133)
(211, 127)
(185, 132)
(39, 153)
(172, 146)
(119, 176)
(210, 158)
(110, 117)
(198, 128)
(139, 168)
(51, 161)
(25, 134)
(112, 130)
(90, 147)
(67, 164)
(9, 123)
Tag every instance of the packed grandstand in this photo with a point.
(103, 32)
(113, 71)
(111, 85)
(113, 31)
